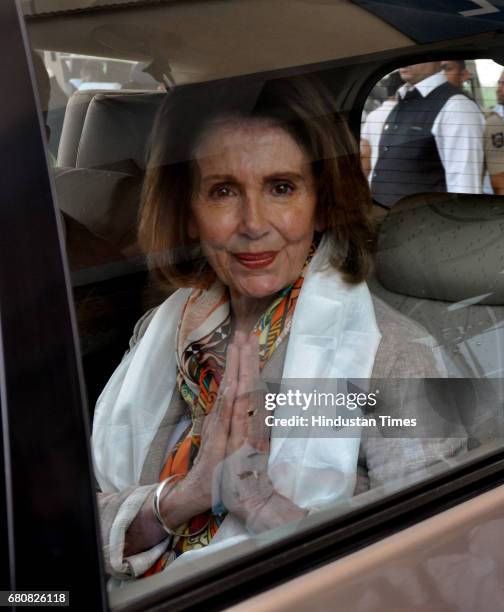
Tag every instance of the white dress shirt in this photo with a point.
(458, 131)
(372, 130)
(499, 109)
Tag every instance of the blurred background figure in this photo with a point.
(372, 128)
(456, 72)
(499, 107)
(432, 140)
(493, 138)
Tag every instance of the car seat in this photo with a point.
(104, 147)
(75, 117)
(440, 261)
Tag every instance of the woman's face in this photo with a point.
(254, 205)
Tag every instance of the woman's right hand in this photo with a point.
(193, 494)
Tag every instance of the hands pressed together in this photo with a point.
(231, 465)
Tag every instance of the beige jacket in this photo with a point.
(403, 353)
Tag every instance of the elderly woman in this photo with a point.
(255, 207)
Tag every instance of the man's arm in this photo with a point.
(365, 156)
(458, 131)
(497, 181)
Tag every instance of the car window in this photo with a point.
(255, 369)
(434, 127)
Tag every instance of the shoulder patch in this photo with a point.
(498, 140)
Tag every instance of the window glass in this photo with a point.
(261, 369)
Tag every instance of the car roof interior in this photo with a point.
(196, 41)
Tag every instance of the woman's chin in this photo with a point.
(259, 287)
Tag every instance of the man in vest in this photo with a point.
(432, 139)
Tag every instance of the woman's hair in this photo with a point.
(300, 106)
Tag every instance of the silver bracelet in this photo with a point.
(157, 512)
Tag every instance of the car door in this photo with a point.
(48, 512)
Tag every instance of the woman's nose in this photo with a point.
(254, 223)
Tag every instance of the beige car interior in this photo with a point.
(101, 161)
(439, 262)
(98, 178)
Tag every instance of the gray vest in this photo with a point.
(408, 160)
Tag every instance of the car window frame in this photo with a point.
(295, 555)
(54, 540)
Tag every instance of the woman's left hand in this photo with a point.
(245, 487)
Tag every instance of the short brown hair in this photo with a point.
(299, 105)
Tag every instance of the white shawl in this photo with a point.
(333, 335)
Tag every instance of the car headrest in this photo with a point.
(116, 131)
(75, 114)
(106, 203)
(443, 246)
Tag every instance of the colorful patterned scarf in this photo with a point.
(203, 335)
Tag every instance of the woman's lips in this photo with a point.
(256, 260)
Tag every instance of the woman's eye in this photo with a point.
(281, 189)
(221, 192)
